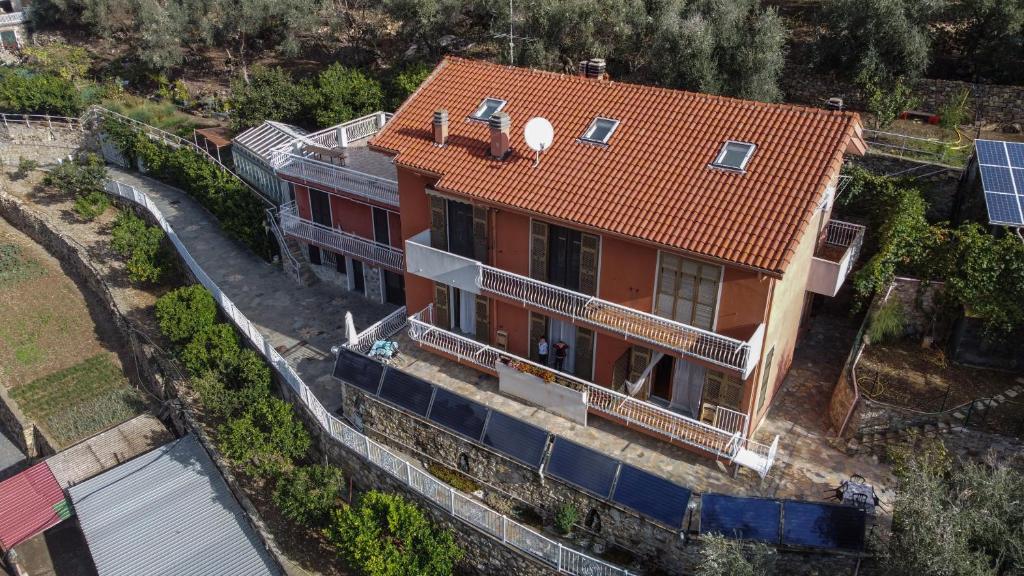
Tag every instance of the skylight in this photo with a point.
(600, 130)
(488, 107)
(735, 155)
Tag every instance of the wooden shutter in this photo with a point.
(723, 390)
(590, 246)
(766, 368)
(538, 328)
(584, 353)
(620, 370)
(639, 358)
(483, 318)
(539, 250)
(480, 234)
(438, 223)
(442, 314)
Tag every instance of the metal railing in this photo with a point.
(366, 250)
(928, 150)
(605, 401)
(346, 180)
(288, 260)
(763, 455)
(627, 322)
(381, 330)
(474, 513)
(728, 419)
(39, 120)
(341, 135)
(12, 18)
(843, 234)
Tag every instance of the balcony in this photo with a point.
(834, 257)
(628, 323)
(620, 408)
(11, 18)
(368, 251)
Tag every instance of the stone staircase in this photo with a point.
(306, 275)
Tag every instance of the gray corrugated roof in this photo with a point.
(260, 140)
(167, 512)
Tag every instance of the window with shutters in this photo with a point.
(723, 390)
(564, 257)
(687, 291)
(767, 368)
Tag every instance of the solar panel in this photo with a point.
(407, 391)
(457, 413)
(1002, 177)
(358, 370)
(651, 496)
(823, 525)
(515, 438)
(743, 518)
(583, 467)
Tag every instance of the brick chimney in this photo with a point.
(440, 124)
(595, 68)
(500, 125)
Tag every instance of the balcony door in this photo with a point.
(320, 207)
(381, 231)
(678, 385)
(687, 291)
(564, 257)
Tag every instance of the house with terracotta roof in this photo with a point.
(337, 203)
(666, 245)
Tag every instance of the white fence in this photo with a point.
(364, 249)
(501, 527)
(40, 120)
(12, 18)
(384, 328)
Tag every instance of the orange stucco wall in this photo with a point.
(511, 240)
(352, 217)
(742, 302)
(516, 321)
(627, 273)
(415, 218)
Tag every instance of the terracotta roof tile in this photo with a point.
(652, 180)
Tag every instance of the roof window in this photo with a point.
(488, 107)
(735, 155)
(600, 130)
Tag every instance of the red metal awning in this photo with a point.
(30, 502)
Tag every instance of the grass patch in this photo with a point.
(16, 266)
(81, 400)
(28, 353)
(452, 478)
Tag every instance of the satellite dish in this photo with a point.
(538, 134)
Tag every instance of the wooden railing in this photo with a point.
(368, 251)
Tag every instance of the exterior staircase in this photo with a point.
(292, 258)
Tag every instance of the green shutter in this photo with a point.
(539, 250)
(538, 328)
(483, 319)
(438, 223)
(480, 234)
(442, 315)
(589, 258)
(584, 353)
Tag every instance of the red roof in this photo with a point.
(652, 181)
(30, 502)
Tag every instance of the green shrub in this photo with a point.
(142, 246)
(344, 94)
(249, 370)
(58, 59)
(721, 556)
(90, 206)
(453, 478)
(26, 92)
(25, 166)
(307, 494)
(223, 402)
(266, 438)
(405, 82)
(82, 175)
(386, 535)
(887, 322)
(214, 349)
(184, 312)
(269, 94)
(565, 517)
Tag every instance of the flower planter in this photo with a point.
(555, 398)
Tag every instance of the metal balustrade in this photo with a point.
(470, 511)
(39, 120)
(605, 401)
(380, 330)
(629, 323)
(366, 250)
(346, 180)
(12, 18)
(926, 150)
(834, 257)
(357, 129)
(288, 260)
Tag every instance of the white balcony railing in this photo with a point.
(340, 178)
(381, 330)
(631, 411)
(343, 134)
(12, 18)
(629, 323)
(368, 251)
(835, 256)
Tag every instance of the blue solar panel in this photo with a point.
(457, 413)
(407, 391)
(1016, 152)
(583, 467)
(1003, 208)
(744, 518)
(823, 526)
(515, 438)
(358, 370)
(996, 179)
(651, 496)
(991, 152)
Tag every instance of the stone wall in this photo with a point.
(42, 144)
(28, 437)
(997, 105)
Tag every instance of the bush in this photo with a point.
(90, 206)
(886, 97)
(405, 82)
(344, 94)
(886, 322)
(386, 535)
(565, 518)
(720, 556)
(185, 312)
(453, 478)
(270, 94)
(224, 403)
(266, 438)
(25, 166)
(214, 349)
(58, 59)
(82, 175)
(307, 494)
(26, 92)
(141, 246)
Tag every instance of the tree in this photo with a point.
(308, 494)
(184, 312)
(266, 438)
(83, 174)
(991, 36)
(214, 349)
(26, 92)
(890, 37)
(344, 94)
(269, 94)
(720, 556)
(405, 82)
(385, 535)
(985, 274)
(141, 246)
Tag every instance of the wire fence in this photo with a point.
(461, 506)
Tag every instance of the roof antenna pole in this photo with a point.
(511, 46)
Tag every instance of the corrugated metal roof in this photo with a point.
(30, 502)
(167, 512)
(260, 140)
(108, 449)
